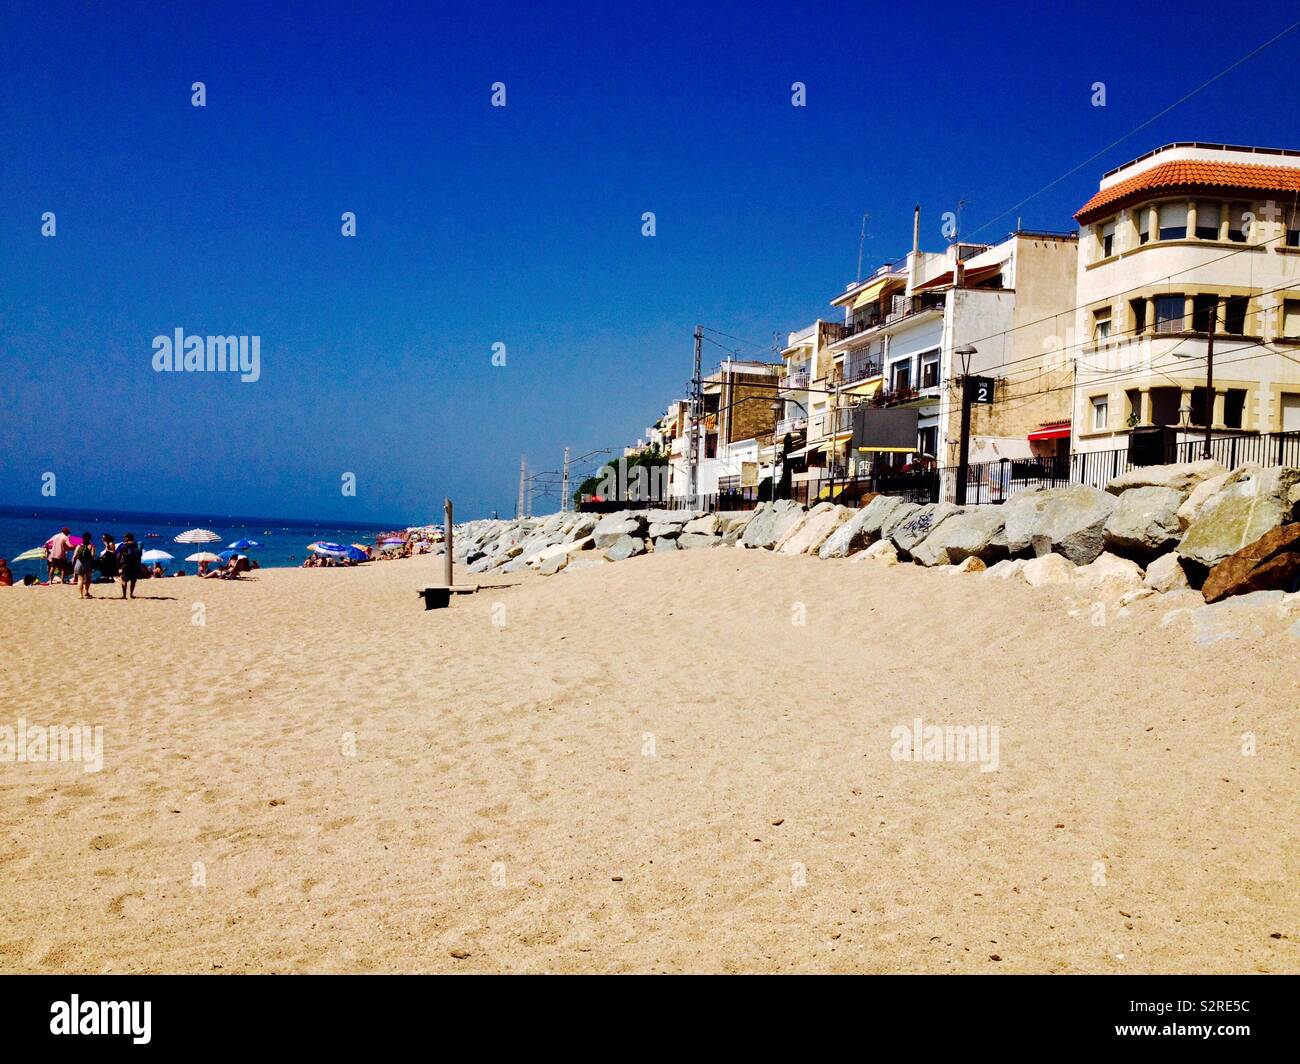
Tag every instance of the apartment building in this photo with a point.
(1188, 237)
(896, 349)
(739, 419)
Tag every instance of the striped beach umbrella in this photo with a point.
(204, 556)
(36, 554)
(197, 535)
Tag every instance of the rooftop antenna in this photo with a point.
(862, 239)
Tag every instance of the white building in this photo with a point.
(1185, 235)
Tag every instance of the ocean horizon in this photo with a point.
(284, 540)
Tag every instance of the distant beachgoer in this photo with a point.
(6, 577)
(108, 557)
(157, 570)
(203, 568)
(128, 559)
(57, 557)
(83, 565)
(30, 581)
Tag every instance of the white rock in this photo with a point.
(1049, 569)
(1166, 573)
(882, 552)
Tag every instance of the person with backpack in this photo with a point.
(83, 565)
(128, 563)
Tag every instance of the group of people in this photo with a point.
(76, 561)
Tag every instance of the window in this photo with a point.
(1234, 407)
(1234, 314)
(1207, 221)
(902, 376)
(1107, 236)
(1173, 221)
(1237, 222)
(1204, 310)
(1169, 314)
(930, 373)
(927, 440)
(1139, 308)
(1101, 324)
(1293, 230)
(1100, 409)
(1143, 224)
(1291, 317)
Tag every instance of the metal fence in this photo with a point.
(987, 482)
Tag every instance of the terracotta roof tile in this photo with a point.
(1172, 176)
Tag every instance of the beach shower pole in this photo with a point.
(446, 538)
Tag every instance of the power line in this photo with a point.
(1158, 115)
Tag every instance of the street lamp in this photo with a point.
(966, 351)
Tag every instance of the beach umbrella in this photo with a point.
(337, 550)
(74, 541)
(36, 554)
(204, 556)
(151, 556)
(391, 542)
(226, 555)
(197, 535)
(244, 544)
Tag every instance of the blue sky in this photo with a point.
(519, 225)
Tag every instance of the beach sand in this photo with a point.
(647, 767)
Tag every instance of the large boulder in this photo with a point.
(819, 526)
(921, 523)
(1271, 563)
(1072, 519)
(559, 550)
(612, 527)
(882, 552)
(1145, 521)
(1166, 574)
(1048, 569)
(1006, 569)
(704, 526)
(851, 536)
(969, 534)
(625, 547)
(696, 540)
(730, 521)
(771, 522)
(817, 510)
(665, 543)
(895, 517)
(1109, 574)
(1197, 499)
(662, 528)
(1251, 502)
(1182, 477)
(879, 512)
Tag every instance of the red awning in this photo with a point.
(1054, 432)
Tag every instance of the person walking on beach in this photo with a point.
(108, 557)
(57, 558)
(128, 559)
(83, 565)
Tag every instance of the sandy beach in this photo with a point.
(646, 767)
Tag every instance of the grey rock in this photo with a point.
(625, 547)
(770, 523)
(969, 534)
(664, 543)
(1166, 574)
(704, 526)
(1251, 502)
(1073, 518)
(1182, 477)
(1145, 521)
(696, 540)
(920, 523)
(606, 535)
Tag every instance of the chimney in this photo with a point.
(916, 248)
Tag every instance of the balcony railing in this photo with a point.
(831, 423)
(794, 382)
(790, 425)
(863, 368)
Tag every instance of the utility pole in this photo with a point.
(963, 451)
(523, 472)
(695, 419)
(564, 484)
(1209, 379)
